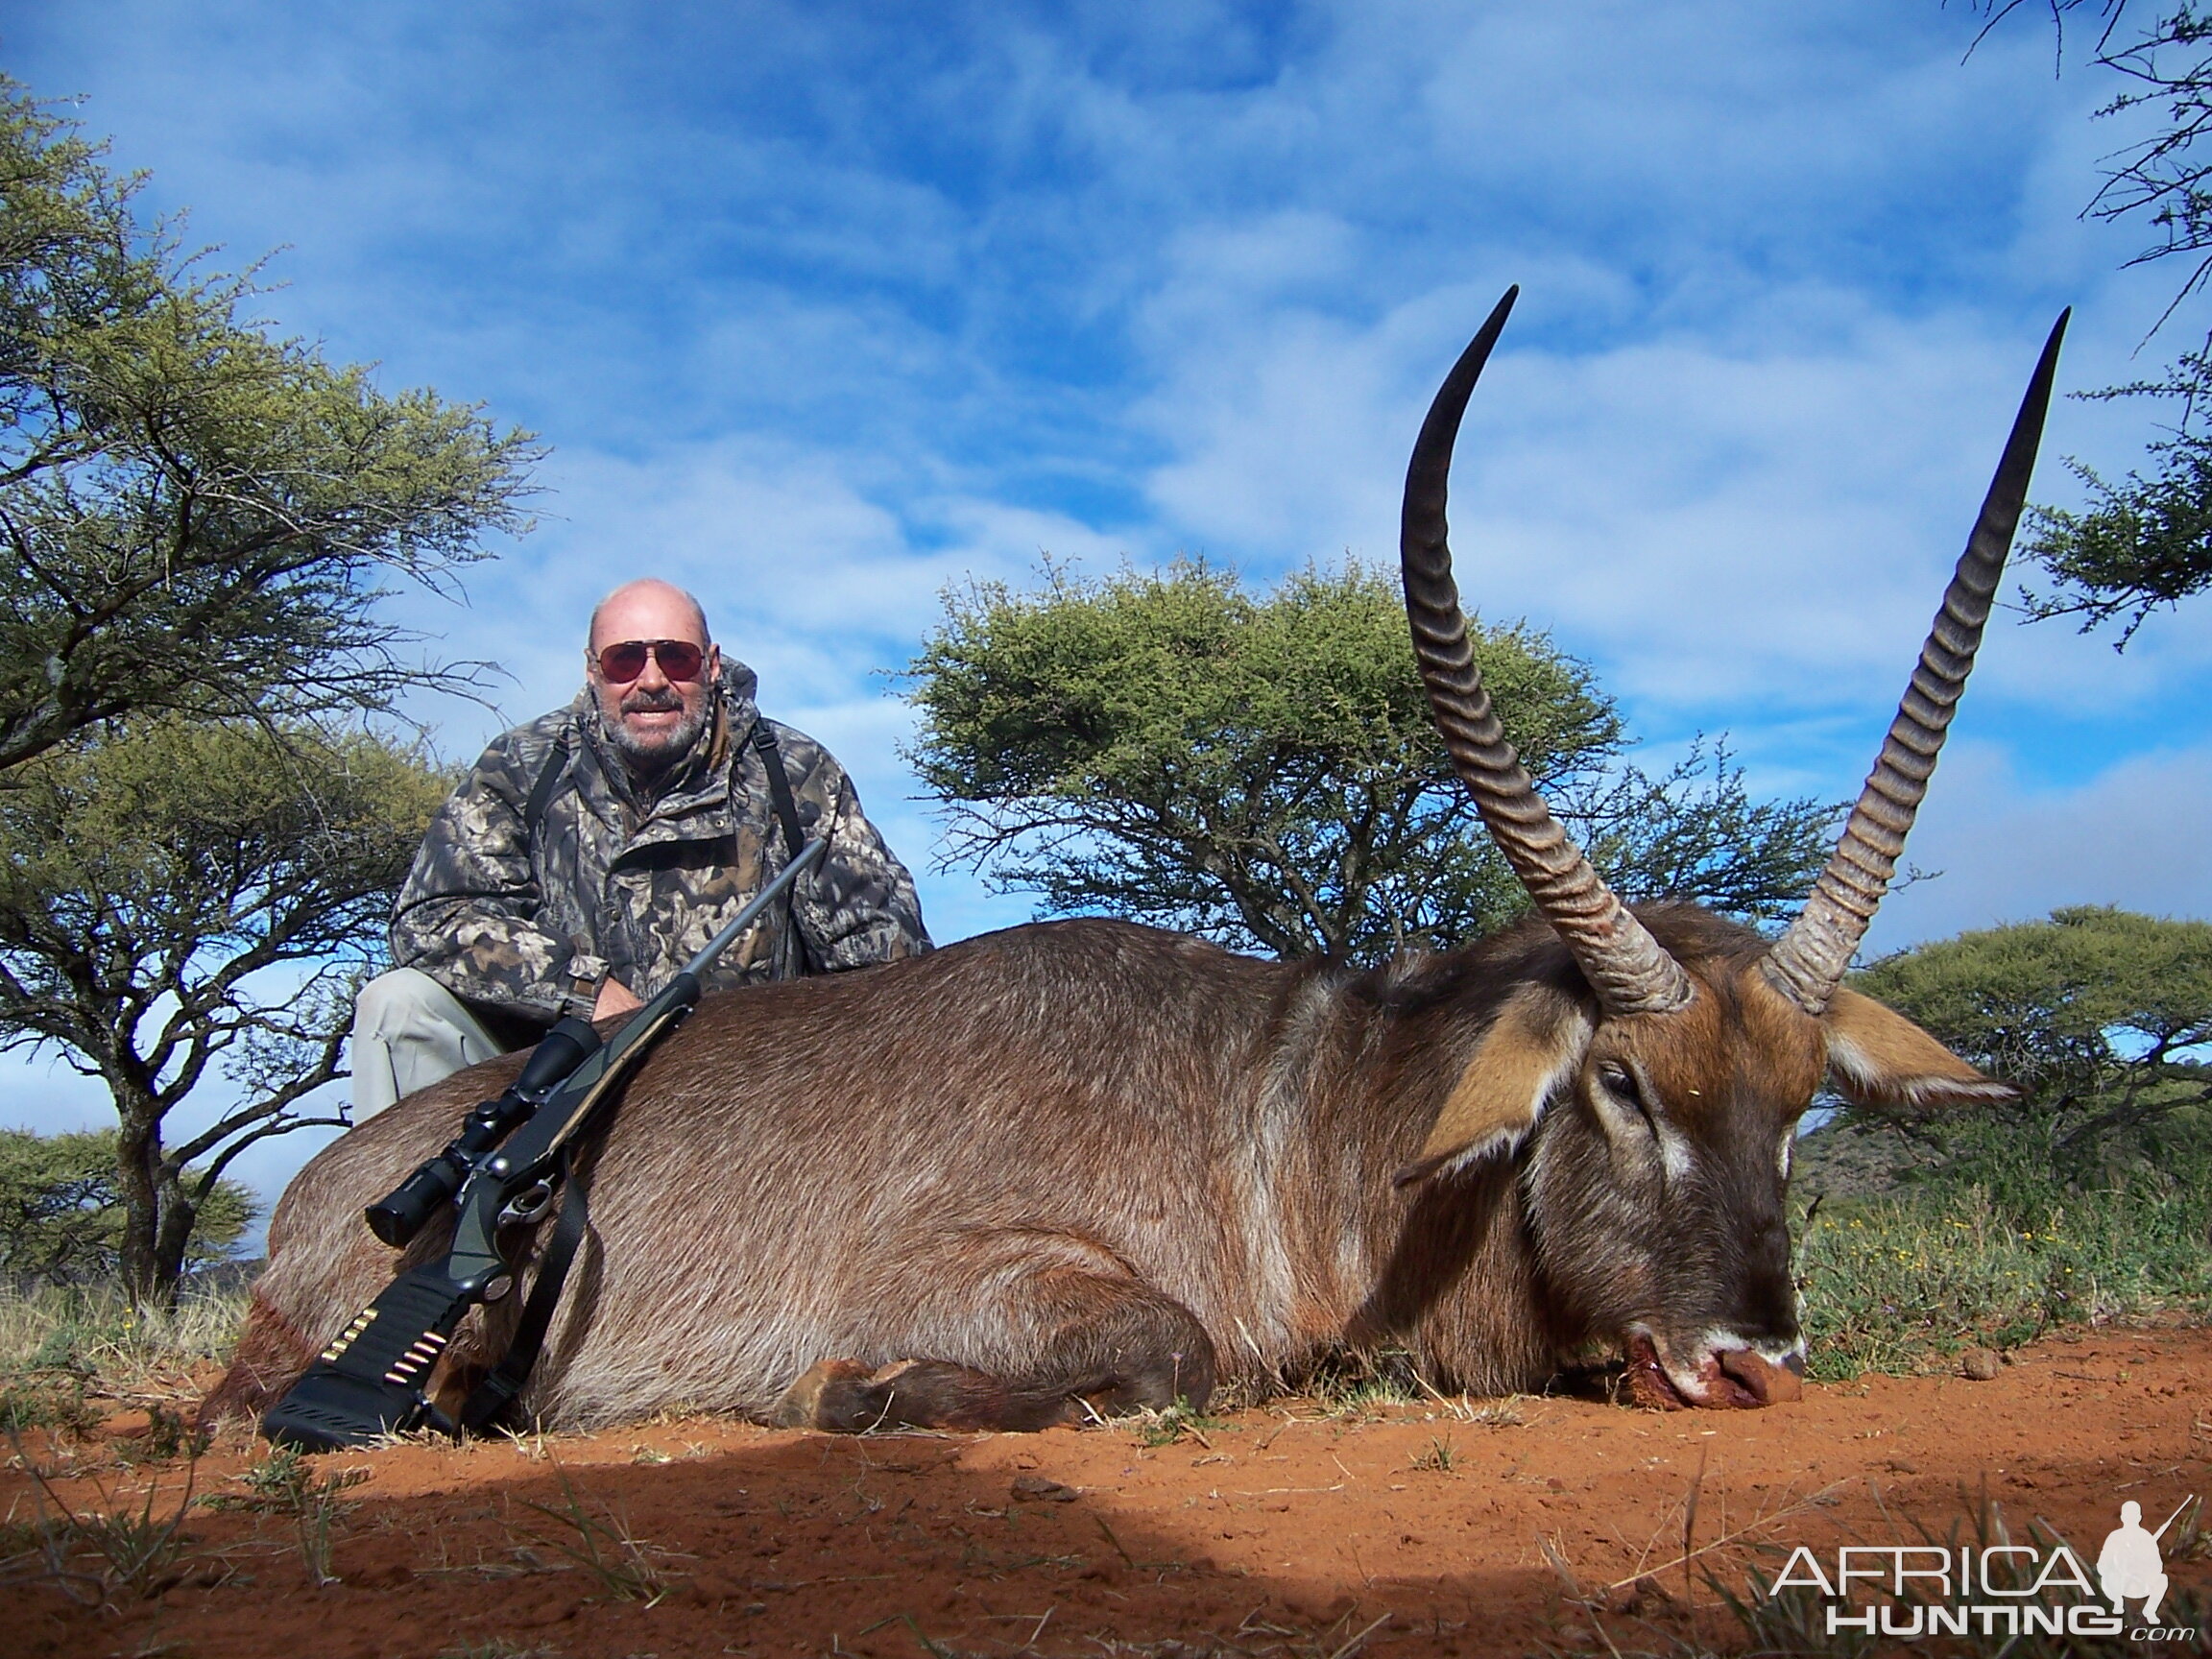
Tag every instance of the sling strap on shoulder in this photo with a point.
(795, 955)
(549, 776)
(779, 784)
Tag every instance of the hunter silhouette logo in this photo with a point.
(1920, 1591)
(2129, 1564)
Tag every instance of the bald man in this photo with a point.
(591, 853)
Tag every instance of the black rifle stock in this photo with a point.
(369, 1383)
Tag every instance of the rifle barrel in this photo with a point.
(809, 855)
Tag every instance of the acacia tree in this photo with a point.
(2144, 543)
(1263, 771)
(187, 899)
(62, 1218)
(199, 519)
(2103, 1018)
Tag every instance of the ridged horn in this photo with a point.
(1808, 962)
(1628, 968)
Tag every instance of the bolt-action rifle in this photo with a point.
(504, 1172)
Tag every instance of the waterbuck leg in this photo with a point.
(1093, 1343)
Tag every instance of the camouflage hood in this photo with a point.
(527, 913)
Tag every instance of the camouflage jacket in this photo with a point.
(527, 920)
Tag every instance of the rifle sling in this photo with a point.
(549, 776)
(779, 784)
(488, 1402)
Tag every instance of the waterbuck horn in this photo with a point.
(1808, 962)
(1628, 968)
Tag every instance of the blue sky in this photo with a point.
(821, 308)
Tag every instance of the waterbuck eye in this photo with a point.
(1620, 1081)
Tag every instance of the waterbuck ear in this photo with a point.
(1532, 1046)
(1877, 1058)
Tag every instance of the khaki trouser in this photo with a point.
(409, 1032)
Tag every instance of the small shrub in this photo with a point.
(168, 1435)
(1356, 1384)
(110, 1550)
(284, 1484)
(602, 1545)
(279, 1480)
(1166, 1427)
(45, 1397)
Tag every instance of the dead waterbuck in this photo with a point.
(1086, 1166)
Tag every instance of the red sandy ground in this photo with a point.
(1279, 1529)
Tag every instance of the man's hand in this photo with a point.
(614, 998)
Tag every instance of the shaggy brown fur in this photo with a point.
(1085, 1164)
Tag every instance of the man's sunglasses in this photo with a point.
(679, 659)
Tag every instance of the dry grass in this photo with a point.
(107, 1551)
(63, 1349)
(601, 1544)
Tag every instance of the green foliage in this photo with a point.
(180, 895)
(1439, 1455)
(61, 1216)
(44, 1397)
(60, 1347)
(1264, 770)
(1354, 1383)
(2101, 1017)
(1166, 1427)
(199, 518)
(2145, 542)
(2088, 1198)
(1898, 1283)
(279, 1480)
(93, 1329)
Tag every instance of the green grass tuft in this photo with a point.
(1900, 1283)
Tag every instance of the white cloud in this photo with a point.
(2133, 836)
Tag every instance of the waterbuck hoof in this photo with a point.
(801, 1406)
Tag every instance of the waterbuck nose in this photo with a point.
(1766, 1383)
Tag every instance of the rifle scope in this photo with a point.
(407, 1210)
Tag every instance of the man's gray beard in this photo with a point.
(651, 761)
